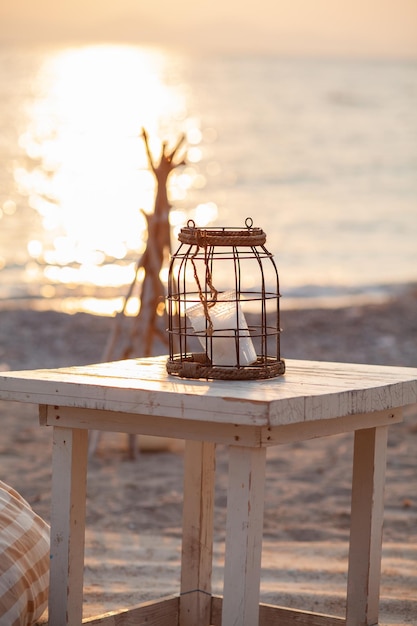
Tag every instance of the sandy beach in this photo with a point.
(134, 508)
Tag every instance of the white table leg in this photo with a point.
(69, 472)
(245, 506)
(366, 526)
(197, 539)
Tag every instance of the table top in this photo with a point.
(309, 390)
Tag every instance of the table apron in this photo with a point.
(226, 433)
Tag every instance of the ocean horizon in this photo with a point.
(320, 153)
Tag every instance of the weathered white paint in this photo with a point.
(313, 399)
(197, 541)
(308, 391)
(69, 472)
(245, 506)
(366, 526)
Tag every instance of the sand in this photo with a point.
(133, 538)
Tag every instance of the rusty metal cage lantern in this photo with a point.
(223, 305)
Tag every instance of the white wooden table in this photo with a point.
(313, 399)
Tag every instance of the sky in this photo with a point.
(375, 28)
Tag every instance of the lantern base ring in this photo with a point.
(196, 366)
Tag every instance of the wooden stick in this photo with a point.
(136, 337)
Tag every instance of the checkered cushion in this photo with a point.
(24, 560)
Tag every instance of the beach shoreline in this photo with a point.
(134, 507)
(380, 332)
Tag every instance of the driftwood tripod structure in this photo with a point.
(136, 337)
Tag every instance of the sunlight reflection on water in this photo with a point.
(88, 176)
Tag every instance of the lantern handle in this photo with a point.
(248, 223)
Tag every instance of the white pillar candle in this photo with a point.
(229, 331)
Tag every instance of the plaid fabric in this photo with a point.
(24, 560)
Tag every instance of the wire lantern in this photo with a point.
(223, 305)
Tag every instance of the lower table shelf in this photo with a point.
(166, 612)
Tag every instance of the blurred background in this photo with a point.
(301, 115)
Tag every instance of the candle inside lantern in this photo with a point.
(230, 334)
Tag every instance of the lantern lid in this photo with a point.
(225, 236)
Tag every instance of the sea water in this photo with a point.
(320, 153)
